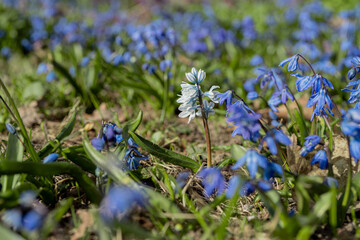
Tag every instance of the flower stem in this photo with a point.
(206, 127)
(303, 58)
(348, 183)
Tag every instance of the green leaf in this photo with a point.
(54, 217)
(165, 154)
(52, 169)
(63, 71)
(77, 155)
(34, 90)
(131, 126)
(8, 234)
(14, 152)
(237, 151)
(106, 162)
(65, 132)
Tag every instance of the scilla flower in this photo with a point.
(119, 202)
(320, 158)
(293, 63)
(252, 159)
(351, 127)
(212, 180)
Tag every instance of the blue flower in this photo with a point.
(331, 182)
(98, 143)
(10, 128)
(51, 76)
(226, 96)
(321, 158)
(351, 127)
(208, 109)
(85, 61)
(351, 73)
(182, 178)
(293, 63)
(245, 188)
(27, 198)
(319, 81)
(13, 218)
(303, 82)
(212, 180)
(273, 102)
(32, 220)
(247, 124)
(284, 95)
(252, 95)
(252, 159)
(51, 158)
(320, 99)
(119, 202)
(42, 68)
(355, 92)
(165, 64)
(133, 158)
(273, 170)
(273, 137)
(309, 145)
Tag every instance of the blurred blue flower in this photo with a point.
(226, 96)
(85, 61)
(247, 124)
(245, 188)
(321, 158)
(252, 159)
(350, 126)
(32, 220)
(51, 158)
(13, 218)
(252, 95)
(274, 102)
(272, 170)
(119, 201)
(284, 95)
(98, 143)
(212, 180)
(42, 68)
(27, 198)
(256, 60)
(5, 52)
(51, 76)
(165, 64)
(331, 182)
(181, 178)
(10, 128)
(274, 137)
(309, 145)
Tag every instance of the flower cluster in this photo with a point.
(354, 83)
(213, 181)
(319, 94)
(192, 96)
(110, 135)
(29, 215)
